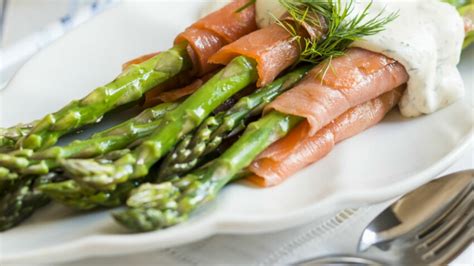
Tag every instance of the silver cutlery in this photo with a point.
(430, 225)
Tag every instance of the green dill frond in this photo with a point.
(342, 26)
(249, 3)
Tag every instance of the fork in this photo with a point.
(433, 234)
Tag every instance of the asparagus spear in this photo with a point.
(209, 135)
(9, 136)
(239, 73)
(22, 201)
(6, 174)
(72, 194)
(127, 87)
(115, 138)
(155, 206)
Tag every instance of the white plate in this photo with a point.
(390, 159)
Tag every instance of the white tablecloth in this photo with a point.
(336, 233)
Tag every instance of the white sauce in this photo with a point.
(426, 38)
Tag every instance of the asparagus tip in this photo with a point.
(147, 219)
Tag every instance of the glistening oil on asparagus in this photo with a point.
(155, 206)
(237, 75)
(128, 87)
(71, 193)
(115, 138)
(28, 177)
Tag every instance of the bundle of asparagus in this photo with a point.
(19, 143)
(68, 191)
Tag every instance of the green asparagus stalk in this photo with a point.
(72, 194)
(238, 74)
(189, 152)
(10, 136)
(22, 201)
(26, 195)
(155, 206)
(115, 138)
(7, 174)
(127, 87)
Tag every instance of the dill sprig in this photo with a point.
(342, 27)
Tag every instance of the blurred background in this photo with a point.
(26, 26)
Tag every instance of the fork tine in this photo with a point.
(442, 217)
(445, 235)
(461, 214)
(455, 247)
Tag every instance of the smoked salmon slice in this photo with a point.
(231, 21)
(272, 48)
(211, 33)
(202, 45)
(332, 88)
(300, 148)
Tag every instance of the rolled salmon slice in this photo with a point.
(272, 48)
(230, 22)
(328, 91)
(300, 149)
(212, 32)
(202, 45)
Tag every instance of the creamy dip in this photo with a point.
(426, 38)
